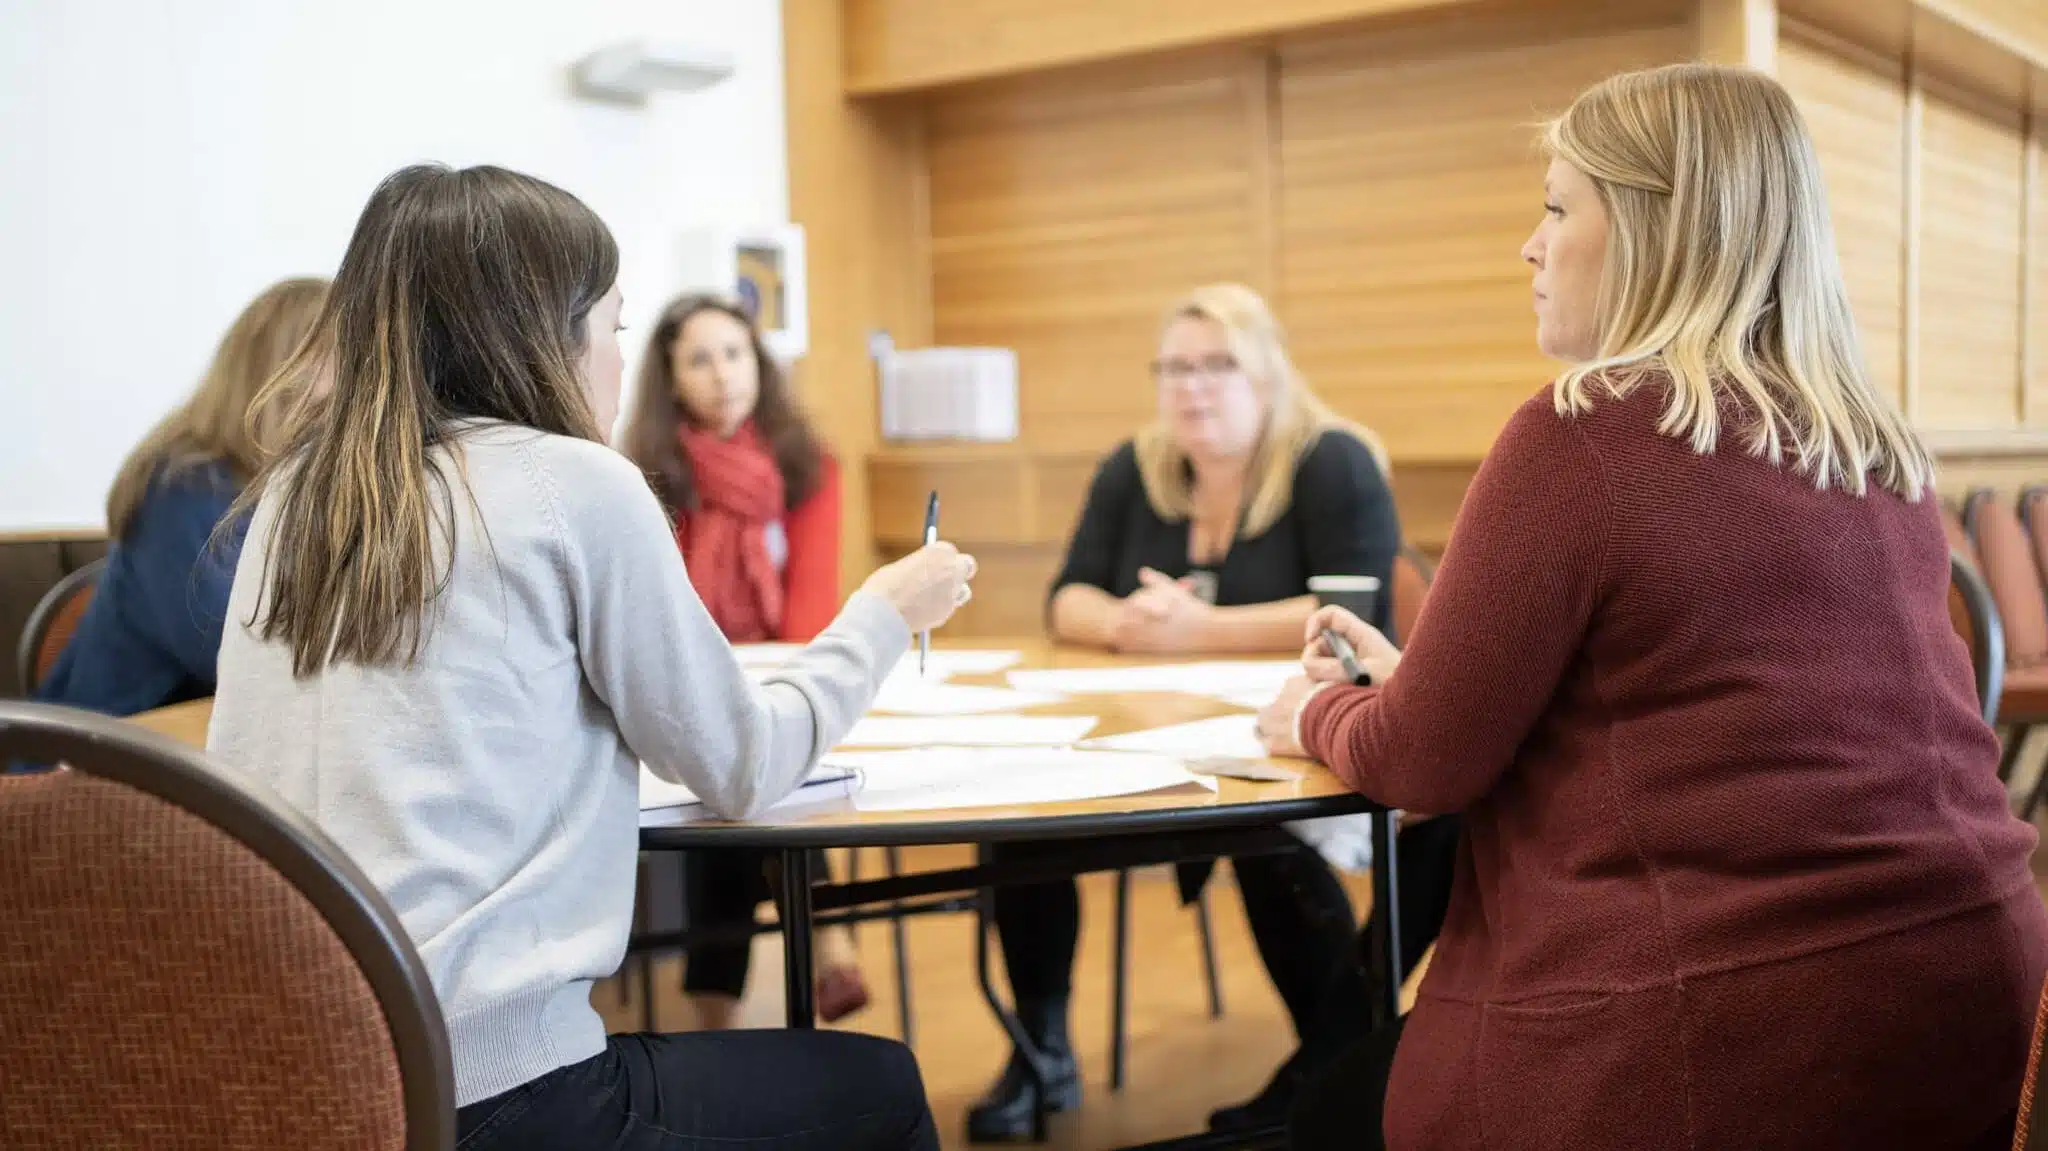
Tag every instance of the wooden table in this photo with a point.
(1101, 834)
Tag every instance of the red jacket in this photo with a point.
(1738, 870)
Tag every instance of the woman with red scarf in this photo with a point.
(755, 499)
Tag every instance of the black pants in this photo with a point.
(1300, 915)
(1347, 1060)
(1426, 863)
(723, 886)
(714, 1091)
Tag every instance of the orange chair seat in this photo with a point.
(2025, 698)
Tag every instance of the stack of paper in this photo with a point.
(1233, 736)
(959, 731)
(1232, 680)
(951, 777)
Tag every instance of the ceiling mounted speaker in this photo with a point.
(628, 73)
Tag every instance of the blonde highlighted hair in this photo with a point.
(219, 422)
(1295, 419)
(1721, 274)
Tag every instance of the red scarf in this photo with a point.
(725, 540)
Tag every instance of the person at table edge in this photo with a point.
(1200, 535)
(1738, 871)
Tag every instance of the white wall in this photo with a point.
(161, 161)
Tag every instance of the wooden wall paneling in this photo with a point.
(2020, 25)
(856, 184)
(1010, 507)
(1854, 102)
(2034, 333)
(1739, 32)
(1968, 231)
(1069, 210)
(905, 45)
(1410, 181)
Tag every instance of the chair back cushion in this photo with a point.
(1958, 537)
(2032, 1132)
(163, 986)
(62, 626)
(1412, 575)
(2009, 567)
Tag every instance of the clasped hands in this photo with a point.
(1279, 722)
(1163, 615)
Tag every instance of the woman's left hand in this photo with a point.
(1278, 728)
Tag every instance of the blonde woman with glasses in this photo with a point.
(1738, 871)
(1200, 534)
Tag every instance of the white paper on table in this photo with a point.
(944, 662)
(1222, 679)
(933, 778)
(656, 792)
(1232, 736)
(913, 696)
(1251, 700)
(963, 731)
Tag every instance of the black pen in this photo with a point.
(931, 536)
(1341, 648)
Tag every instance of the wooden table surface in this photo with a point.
(1117, 713)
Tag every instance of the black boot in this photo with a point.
(1267, 1109)
(1005, 1114)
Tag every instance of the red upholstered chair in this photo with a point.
(1959, 540)
(52, 624)
(1975, 616)
(2010, 568)
(2031, 1135)
(187, 964)
(1413, 573)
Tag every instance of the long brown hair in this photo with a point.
(462, 294)
(213, 425)
(650, 436)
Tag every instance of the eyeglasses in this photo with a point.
(1207, 369)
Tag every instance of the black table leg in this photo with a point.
(1386, 905)
(799, 983)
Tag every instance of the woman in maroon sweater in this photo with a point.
(1738, 871)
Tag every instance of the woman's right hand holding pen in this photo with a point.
(1377, 656)
(927, 586)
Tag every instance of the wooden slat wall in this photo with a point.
(1068, 212)
(1969, 233)
(1924, 138)
(1855, 104)
(1408, 184)
(2035, 348)
(903, 45)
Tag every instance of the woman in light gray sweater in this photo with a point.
(459, 623)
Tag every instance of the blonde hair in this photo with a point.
(215, 423)
(1721, 274)
(1296, 417)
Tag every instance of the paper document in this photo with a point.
(656, 792)
(913, 696)
(1250, 700)
(944, 662)
(934, 778)
(1227, 735)
(962, 731)
(1221, 679)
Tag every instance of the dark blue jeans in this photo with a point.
(761, 1090)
